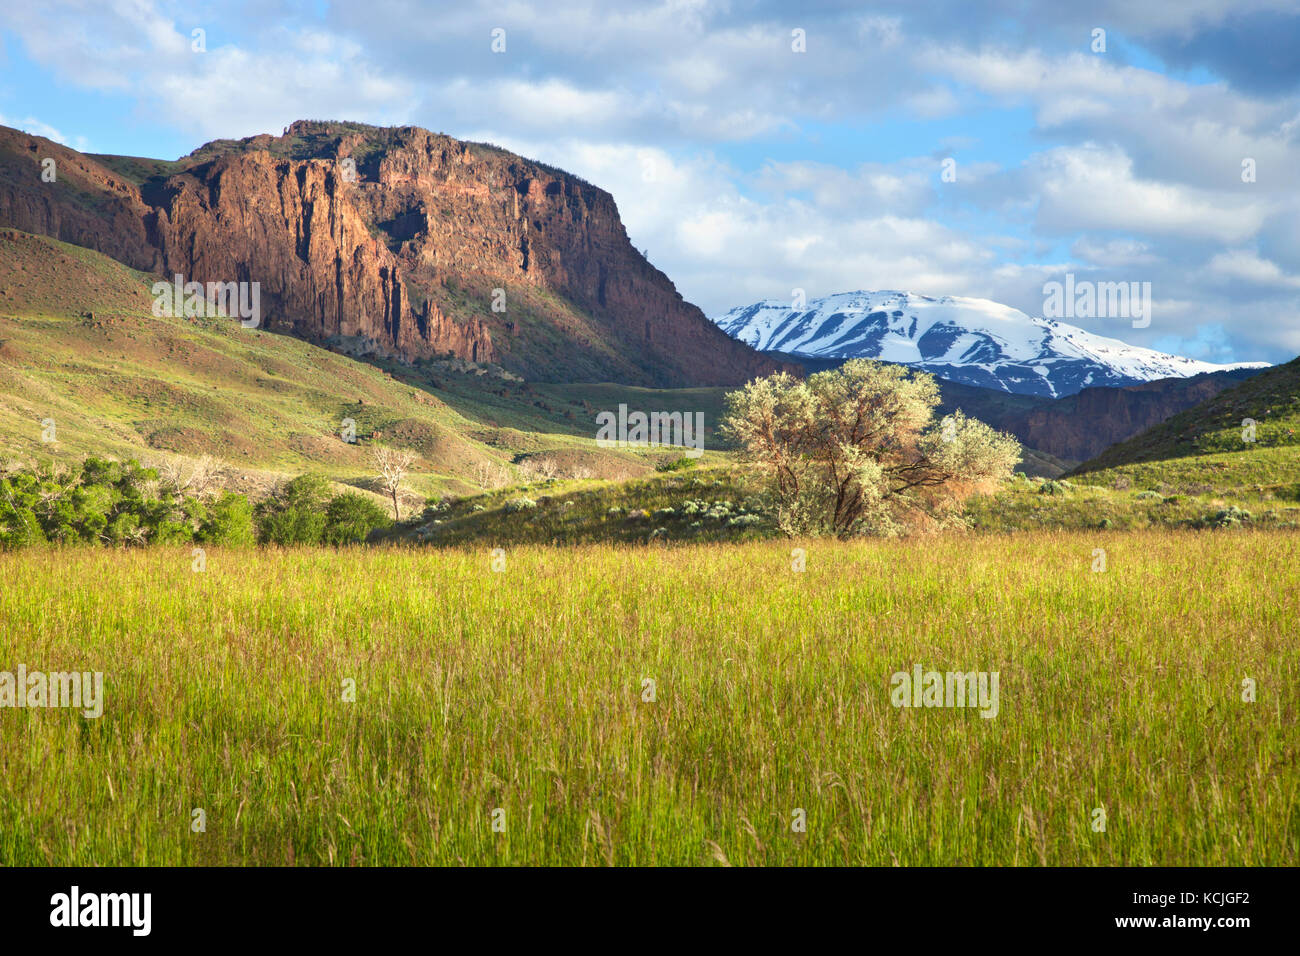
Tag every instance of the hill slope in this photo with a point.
(1270, 399)
(79, 345)
(972, 341)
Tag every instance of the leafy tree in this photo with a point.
(19, 526)
(855, 450)
(119, 503)
(350, 517)
(126, 529)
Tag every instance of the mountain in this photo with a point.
(393, 242)
(972, 341)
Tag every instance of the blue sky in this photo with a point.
(747, 169)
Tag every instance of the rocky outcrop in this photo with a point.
(415, 242)
(85, 203)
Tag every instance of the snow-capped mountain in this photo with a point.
(973, 341)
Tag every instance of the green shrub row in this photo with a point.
(123, 503)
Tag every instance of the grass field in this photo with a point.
(522, 690)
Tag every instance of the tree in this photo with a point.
(200, 477)
(392, 465)
(855, 449)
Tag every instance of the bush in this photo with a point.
(1231, 517)
(229, 522)
(350, 517)
(855, 450)
(295, 514)
(289, 526)
(677, 464)
(515, 505)
(19, 527)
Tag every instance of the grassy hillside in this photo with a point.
(524, 690)
(1211, 440)
(79, 345)
(1194, 470)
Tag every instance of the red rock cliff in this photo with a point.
(398, 239)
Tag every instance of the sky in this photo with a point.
(947, 147)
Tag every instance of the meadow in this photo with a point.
(504, 716)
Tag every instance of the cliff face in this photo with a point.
(408, 242)
(321, 273)
(459, 208)
(1083, 425)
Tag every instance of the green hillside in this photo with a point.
(79, 346)
(1271, 399)
(1213, 448)
(1194, 470)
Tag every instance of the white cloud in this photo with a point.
(1246, 266)
(1094, 187)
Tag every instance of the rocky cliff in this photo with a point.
(398, 241)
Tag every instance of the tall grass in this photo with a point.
(523, 690)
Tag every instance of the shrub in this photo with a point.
(1230, 517)
(19, 527)
(855, 450)
(289, 526)
(677, 464)
(350, 517)
(295, 514)
(515, 505)
(229, 522)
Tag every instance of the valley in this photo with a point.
(390, 576)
